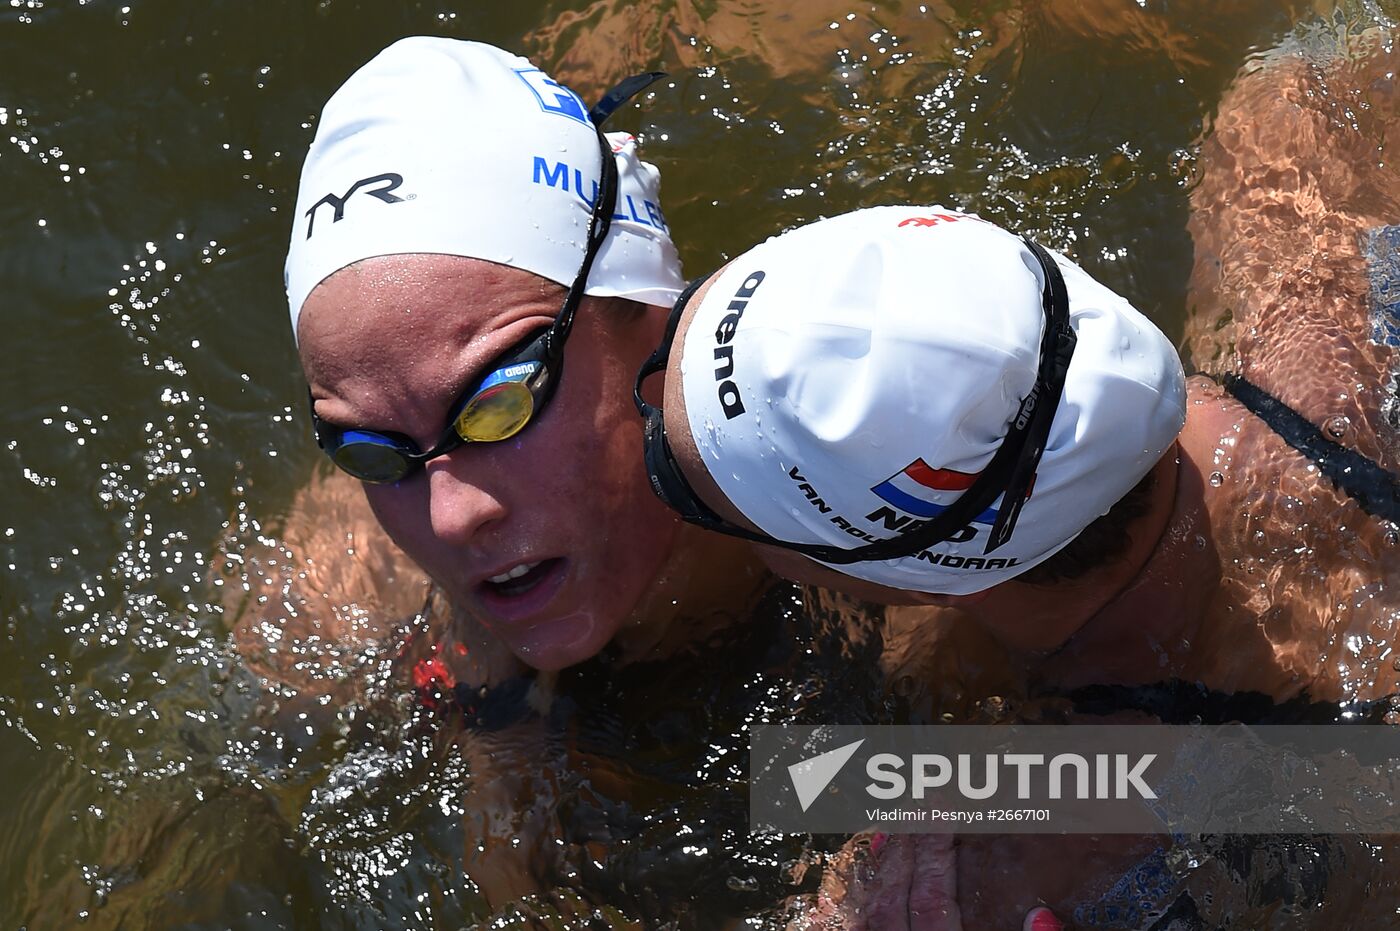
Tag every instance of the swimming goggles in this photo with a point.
(521, 380)
(1009, 475)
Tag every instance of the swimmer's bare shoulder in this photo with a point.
(1290, 188)
(328, 584)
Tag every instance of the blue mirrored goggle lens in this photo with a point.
(370, 458)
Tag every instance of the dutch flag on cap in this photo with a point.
(924, 491)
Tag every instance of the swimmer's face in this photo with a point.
(390, 343)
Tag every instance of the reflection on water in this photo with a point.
(188, 740)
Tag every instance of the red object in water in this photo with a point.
(1042, 919)
(432, 680)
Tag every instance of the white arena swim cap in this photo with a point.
(444, 146)
(852, 377)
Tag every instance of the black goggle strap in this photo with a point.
(625, 90)
(661, 355)
(1013, 466)
(600, 220)
(1038, 408)
(669, 484)
(667, 480)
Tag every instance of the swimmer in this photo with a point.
(462, 229)
(919, 407)
(450, 251)
(879, 363)
(916, 406)
(474, 273)
(1237, 559)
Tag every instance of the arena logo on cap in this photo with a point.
(729, 399)
(553, 97)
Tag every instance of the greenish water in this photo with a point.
(150, 400)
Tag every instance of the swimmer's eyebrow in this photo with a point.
(472, 376)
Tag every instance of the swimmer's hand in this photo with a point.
(896, 882)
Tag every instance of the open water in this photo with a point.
(151, 406)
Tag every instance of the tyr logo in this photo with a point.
(389, 182)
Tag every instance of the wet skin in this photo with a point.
(391, 342)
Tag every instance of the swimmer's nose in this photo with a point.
(460, 507)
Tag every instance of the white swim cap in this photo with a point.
(850, 378)
(444, 146)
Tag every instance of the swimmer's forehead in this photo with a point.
(400, 303)
(364, 329)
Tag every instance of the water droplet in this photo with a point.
(1391, 717)
(1217, 479)
(994, 706)
(1336, 427)
(1199, 542)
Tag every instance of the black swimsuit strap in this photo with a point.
(1375, 489)
(1176, 701)
(495, 708)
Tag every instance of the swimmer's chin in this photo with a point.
(552, 644)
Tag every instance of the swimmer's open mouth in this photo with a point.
(519, 579)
